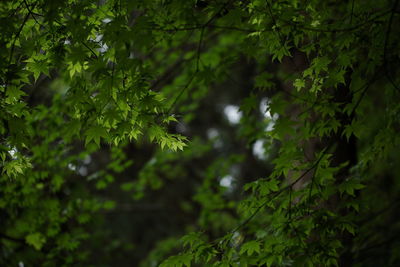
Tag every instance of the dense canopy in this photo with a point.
(199, 133)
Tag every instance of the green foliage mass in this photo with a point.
(93, 94)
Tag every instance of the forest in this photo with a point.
(191, 133)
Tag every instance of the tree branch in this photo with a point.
(388, 31)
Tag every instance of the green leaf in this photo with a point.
(95, 133)
(250, 247)
(37, 240)
(321, 64)
(14, 94)
(178, 261)
(349, 186)
(299, 84)
(13, 168)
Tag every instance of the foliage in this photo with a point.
(87, 87)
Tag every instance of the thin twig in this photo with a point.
(10, 238)
(290, 203)
(181, 93)
(352, 10)
(258, 209)
(91, 50)
(13, 48)
(199, 49)
(31, 13)
(212, 26)
(197, 57)
(16, 37)
(311, 188)
(388, 31)
(355, 27)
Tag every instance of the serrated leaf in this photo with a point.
(299, 84)
(250, 247)
(37, 240)
(95, 133)
(349, 186)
